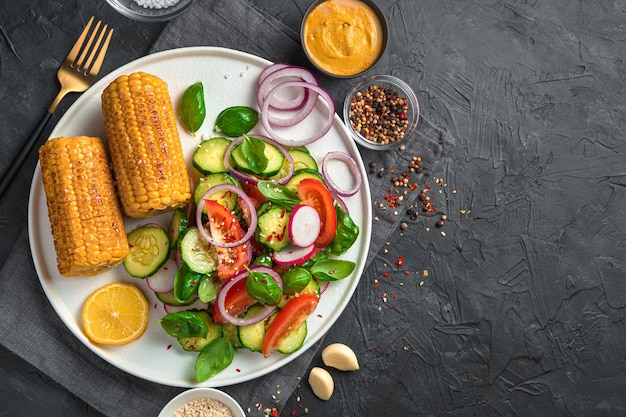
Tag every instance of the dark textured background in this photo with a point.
(522, 312)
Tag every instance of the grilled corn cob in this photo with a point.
(145, 147)
(85, 215)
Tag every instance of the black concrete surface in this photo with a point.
(522, 311)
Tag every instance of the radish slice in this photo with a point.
(354, 170)
(163, 280)
(293, 255)
(269, 126)
(196, 304)
(304, 225)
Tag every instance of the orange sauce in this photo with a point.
(343, 37)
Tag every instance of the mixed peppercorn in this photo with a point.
(379, 114)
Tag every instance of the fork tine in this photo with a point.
(80, 61)
(79, 42)
(85, 65)
(103, 51)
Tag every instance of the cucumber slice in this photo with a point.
(272, 227)
(209, 157)
(293, 340)
(196, 253)
(275, 160)
(301, 174)
(149, 250)
(227, 199)
(230, 331)
(251, 337)
(303, 159)
(169, 299)
(177, 226)
(196, 344)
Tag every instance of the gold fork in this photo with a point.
(76, 74)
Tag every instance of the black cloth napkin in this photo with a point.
(30, 327)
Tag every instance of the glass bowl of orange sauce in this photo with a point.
(344, 38)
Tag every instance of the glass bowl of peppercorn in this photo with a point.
(381, 112)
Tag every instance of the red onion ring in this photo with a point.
(286, 71)
(342, 204)
(354, 169)
(321, 93)
(251, 179)
(245, 198)
(221, 297)
(270, 69)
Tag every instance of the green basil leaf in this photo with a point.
(214, 358)
(295, 279)
(186, 283)
(253, 152)
(208, 289)
(263, 288)
(192, 108)
(319, 256)
(264, 259)
(187, 323)
(346, 235)
(332, 269)
(278, 193)
(236, 121)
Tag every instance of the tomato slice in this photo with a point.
(315, 194)
(236, 302)
(290, 317)
(225, 227)
(253, 192)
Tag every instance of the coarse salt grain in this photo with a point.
(204, 407)
(156, 4)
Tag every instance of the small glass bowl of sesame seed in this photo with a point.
(151, 10)
(202, 402)
(381, 112)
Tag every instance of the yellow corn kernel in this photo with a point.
(85, 215)
(145, 146)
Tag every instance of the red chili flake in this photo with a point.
(392, 170)
(169, 347)
(320, 316)
(407, 272)
(378, 350)
(386, 274)
(376, 285)
(400, 261)
(274, 412)
(293, 412)
(427, 187)
(393, 200)
(238, 370)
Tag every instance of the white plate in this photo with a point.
(229, 79)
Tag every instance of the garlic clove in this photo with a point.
(340, 356)
(321, 383)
